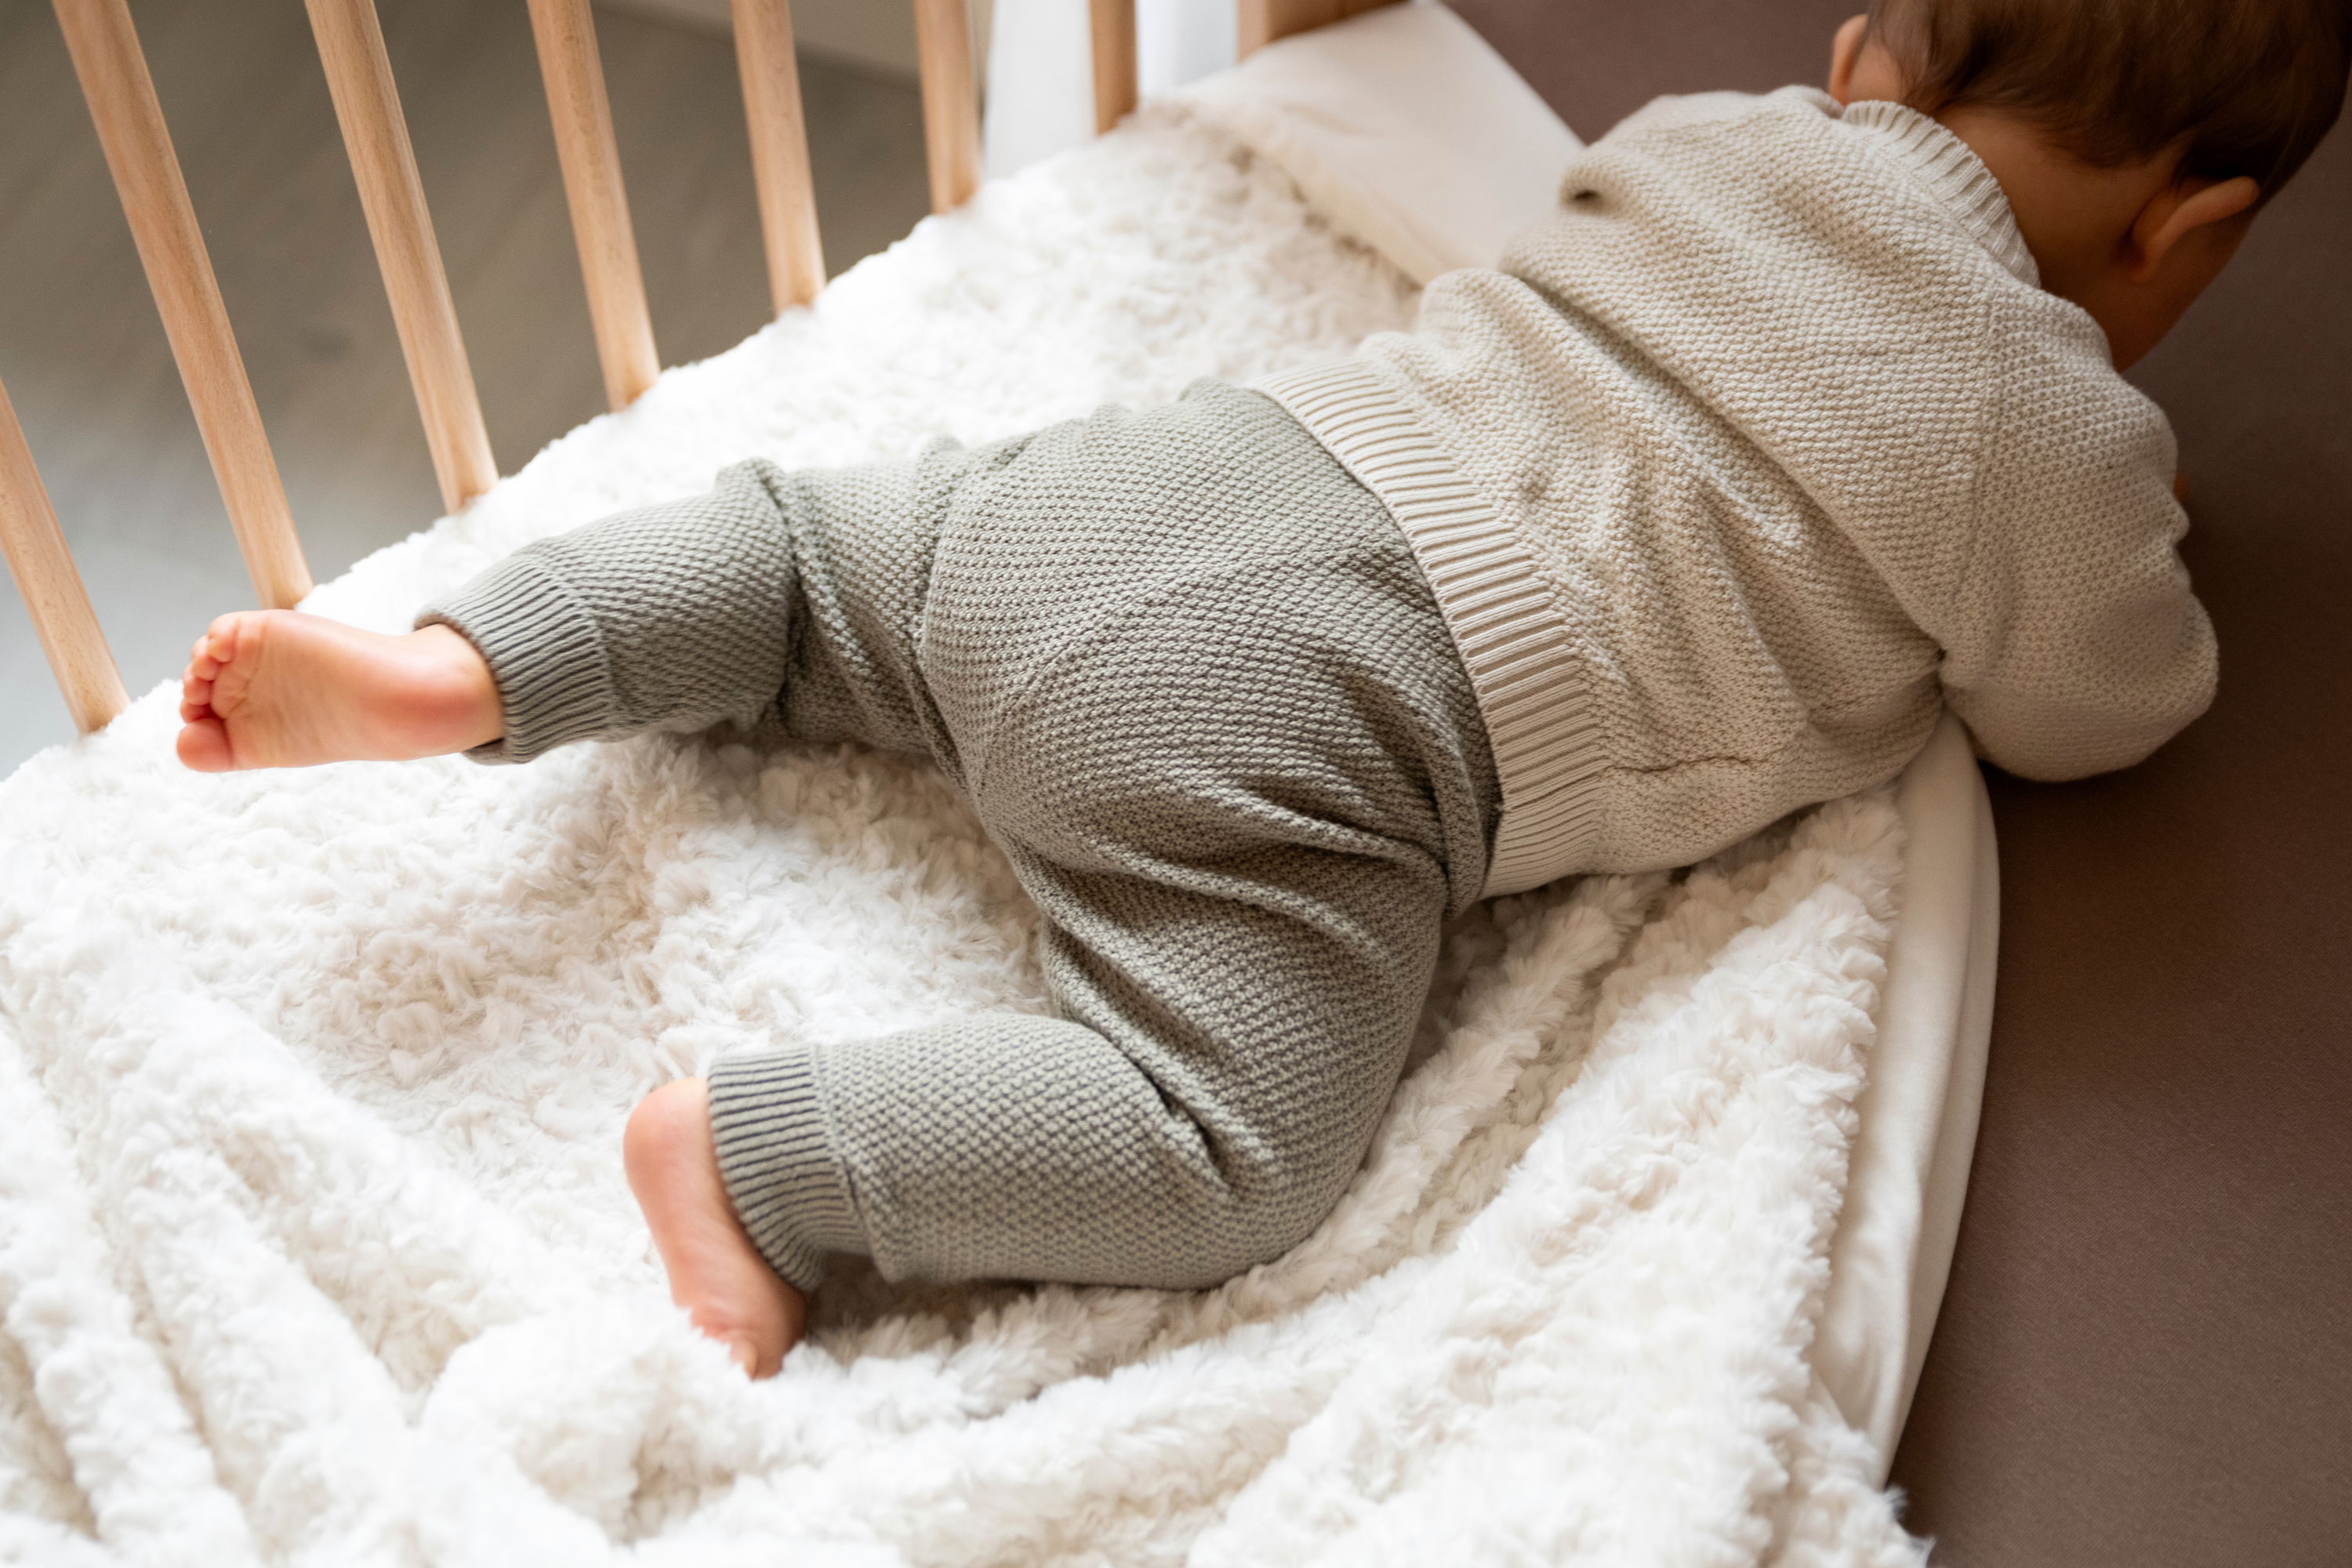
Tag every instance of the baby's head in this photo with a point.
(2134, 139)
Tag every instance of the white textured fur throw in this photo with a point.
(314, 1244)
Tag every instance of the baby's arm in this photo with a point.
(2092, 679)
(2077, 646)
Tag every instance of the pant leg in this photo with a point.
(1232, 755)
(777, 595)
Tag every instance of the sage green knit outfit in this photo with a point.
(1188, 674)
(1761, 451)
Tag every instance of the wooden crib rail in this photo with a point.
(582, 115)
(951, 101)
(54, 595)
(383, 164)
(121, 98)
(1111, 29)
(780, 154)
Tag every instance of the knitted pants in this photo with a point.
(1186, 670)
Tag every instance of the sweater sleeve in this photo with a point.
(673, 617)
(2079, 645)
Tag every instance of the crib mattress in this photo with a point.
(1407, 130)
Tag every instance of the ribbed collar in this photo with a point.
(1947, 166)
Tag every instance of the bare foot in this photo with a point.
(715, 1272)
(277, 689)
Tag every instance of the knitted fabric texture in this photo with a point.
(1195, 684)
(1761, 449)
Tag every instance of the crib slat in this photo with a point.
(367, 105)
(1256, 22)
(121, 96)
(583, 116)
(780, 155)
(950, 106)
(54, 595)
(1114, 42)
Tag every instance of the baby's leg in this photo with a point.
(1244, 826)
(1199, 1111)
(673, 618)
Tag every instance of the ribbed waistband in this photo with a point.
(1511, 635)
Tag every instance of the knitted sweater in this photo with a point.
(1760, 451)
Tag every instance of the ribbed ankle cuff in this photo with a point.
(787, 1187)
(544, 653)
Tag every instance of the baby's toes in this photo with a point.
(216, 647)
(227, 638)
(227, 670)
(203, 746)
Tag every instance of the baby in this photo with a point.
(1797, 423)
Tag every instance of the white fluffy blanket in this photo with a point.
(314, 1246)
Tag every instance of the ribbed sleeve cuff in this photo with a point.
(544, 651)
(781, 1173)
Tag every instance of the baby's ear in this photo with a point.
(1845, 49)
(2182, 209)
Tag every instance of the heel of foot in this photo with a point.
(458, 707)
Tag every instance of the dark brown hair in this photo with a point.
(2237, 86)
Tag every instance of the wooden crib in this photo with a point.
(114, 82)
